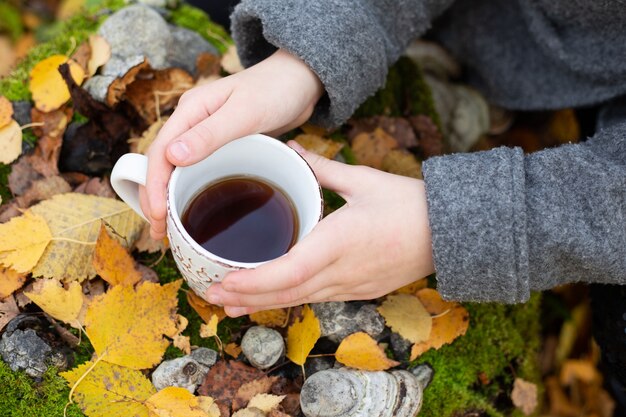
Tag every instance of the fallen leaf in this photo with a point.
(141, 144)
(524, 396)
(302, 336)
(183, 343)
(112, 261)
(271, 318)
(175, 402)
(233, 349)
(248, 390)
(398, 127)
(578, 369)
(402, 162)
(319, 145)
(127, 325)
(109, 390)
(10, 281)
(563, 128)
(81, 56)
(430, 139)
(100, 53)
(230, 60)
(10, 142)
(207, 66)
(6, 111)
(249, 412)
(370, 148)
(69, 8)
(209, 329)
(23, 241)
(413, 287)
(46, 84)
(74, 221)
(53, 123)
(8, 311)
(449, 323)
(224, 380)
(265, 402)
(100, 187)
(9, 56)
(205, 309)
(360, 351)
(406, 315)
(117, 89)
(559, 403)
(61, 304)
(22, 176)
(42, 189)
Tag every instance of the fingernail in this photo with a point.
(179, 150)
(227, 286)
(236, 311)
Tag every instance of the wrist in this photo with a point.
(296, 69)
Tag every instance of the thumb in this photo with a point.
(335, 176)
(229, 122)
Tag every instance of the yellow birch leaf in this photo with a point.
(406, 316)
(205, 309)
(112, 261)
(6, 111)
(127, 325)
(110, 390)
(62, 304)
(266, 402)
(10, 281)
(23, 241)
(74, 220)
(302, 336)
(48, 87)
(233, 349)
(413, 287)
(325, 147)
(10, 142)
(175, 402)
(183, 343)
(209, 406)
(270, 318)
(100, 53)
(209, 329)
(360, 351)
(450, 322)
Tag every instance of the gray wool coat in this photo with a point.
(503, 223)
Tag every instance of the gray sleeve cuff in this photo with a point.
(477, 212)
(348, 44)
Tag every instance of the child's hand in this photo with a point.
(273, 96)
(376, 243)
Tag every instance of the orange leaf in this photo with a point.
(48, 87)
(360, 351)
(370, 148)
(10, 281)
(112, 262)
(412, 288)
(6, 111)
(233, 350)
(204, 308)
(271, 318)
(433, 303)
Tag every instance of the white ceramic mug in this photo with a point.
(257, 156)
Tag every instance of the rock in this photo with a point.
(263, 347)
(186, 46)
(186, 372)
(98, 86)
(400, 346)
(159, 3)
(370, 321)
(322, 363)
(349, 392)
(433, 59)
(135, 32)
(23, 348)
(21, 112)
(336, 319)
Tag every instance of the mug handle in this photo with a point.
(128, 173)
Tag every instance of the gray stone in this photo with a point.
(24, 350)
(183, 372)
(21, 112)
(186, 46)
(400, 346)
(370, 321)
(159, 3)
(135, 32)
(262, 347)
(318, 364)
(98, 86)
(205, 357)
(336, 319)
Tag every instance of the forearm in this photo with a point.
(504, 224)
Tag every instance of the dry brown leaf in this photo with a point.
(183, 343)
(205, 309)
(559, 403)
(141, 144)
(10, 281)
(117, 89)
(233, 349)
(62, 304)
(42, 189)
(248, 390)
(100, 54)
(81, 55)
(524, 396)
(48, 87)
(406, 315)
(10, 142)
(271, 318)
(360, 351)
(325, 147)
(564, 127)
(265, 402)
(578, 369)
(6, 111)
(145, 243)
(413, 287)
(224, 380)
(8, 311)
(370, 148)
(207, 66)
(398, 127)
(112, 261)
(402, 162)
(430, 139)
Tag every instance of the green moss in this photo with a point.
(501, 343)
(5, 193)
(10, 21)
(20, 396)
(195, 19)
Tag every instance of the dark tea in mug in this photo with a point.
(242, 219)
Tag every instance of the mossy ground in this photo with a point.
(500, 344)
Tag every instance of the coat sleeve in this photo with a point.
(504, 223)
(348, 44)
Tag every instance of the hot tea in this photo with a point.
(242, 219)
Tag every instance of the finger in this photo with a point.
(336, 176)
(309, 256)
(231, 121)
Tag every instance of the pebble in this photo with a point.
(339, 319)
(186, 46)
(263, 347)
(186, 372)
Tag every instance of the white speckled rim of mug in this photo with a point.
(257, 156)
